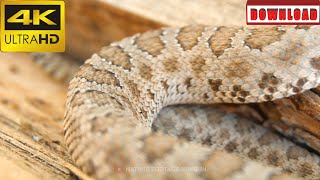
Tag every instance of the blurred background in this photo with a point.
(92, 24)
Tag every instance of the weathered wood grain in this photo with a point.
(31, 115)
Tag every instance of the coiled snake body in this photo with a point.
(114, 98)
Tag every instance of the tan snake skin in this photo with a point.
(115, 97)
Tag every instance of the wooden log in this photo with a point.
(31, 116)
(297, 117)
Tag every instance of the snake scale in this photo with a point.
(118, 92)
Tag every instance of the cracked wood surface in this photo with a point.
(31, 136)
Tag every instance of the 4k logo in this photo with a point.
(26, 17)
(32, 26)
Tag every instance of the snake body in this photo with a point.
(118, 92)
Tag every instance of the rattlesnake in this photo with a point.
(118, 92)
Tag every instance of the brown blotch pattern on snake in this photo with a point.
(315, 63)
(80, 98)
(238, 68)
(188, 36)
(133, 88)
(294, 152)
(91, 74)
(301, 82)
(198, 65)
(145, 71)
(116, 56)
(150, 42)
(305, 170)
(231, 146)
(215, 84)
(273, 158)
(221, 39)
(150, 94)
(269, 82)
(267, 138)
(170, 65)
(260, 38)
(253, 153)
(187, 82)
